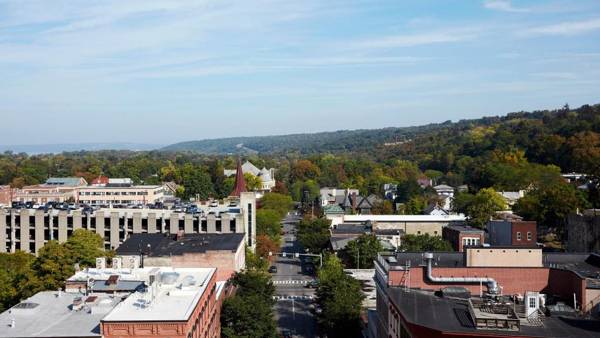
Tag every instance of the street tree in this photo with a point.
(249, 313)
(314, 234)
(361, 252)
(340, 298)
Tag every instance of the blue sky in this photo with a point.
(169, 71)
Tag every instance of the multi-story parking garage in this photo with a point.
(29, 229)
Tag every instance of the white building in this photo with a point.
(408, 224)
(267, 176)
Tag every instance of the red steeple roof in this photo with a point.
(240, 182)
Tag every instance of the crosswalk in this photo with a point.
(294, 297)
(290, 282)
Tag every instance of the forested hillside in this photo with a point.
(537, 131)
(337, 141)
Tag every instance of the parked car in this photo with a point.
(312, 284)
(273, 269)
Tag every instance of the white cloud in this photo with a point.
(565, 28)
(417, 39)
(504, 6)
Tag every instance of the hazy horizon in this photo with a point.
(163, 72)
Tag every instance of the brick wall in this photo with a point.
(514, 280)
(224, 261)
(204, 322)
(524, 227)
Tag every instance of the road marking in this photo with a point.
(303, 297)
(290, 282)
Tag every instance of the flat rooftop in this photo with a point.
(48, 315)
(586, 265)
(172, 297)
(464, 228)
(158, 245)
(452, 315)
(404, 218)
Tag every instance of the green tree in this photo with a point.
(361, 252)
(314, 234)
(84, 247)
(249, 313)
(549, 205)
(54, 264)
(268, 222)
(255, 262)
(18, 280)
(277, 202)
(252, 182)
(479, 207)
(340, 298)
(406, 190)
(415, 205)
(196, 181)
(300, 187)
(425, 242)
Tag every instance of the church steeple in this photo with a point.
(240, 182)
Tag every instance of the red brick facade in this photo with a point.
(513, 280)
(524, 233)
(204, 322)
(5, 194)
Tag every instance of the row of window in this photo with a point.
(529, 236)
(113, 193)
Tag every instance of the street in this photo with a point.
(292, 309)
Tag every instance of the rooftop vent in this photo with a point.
(26, 306)
(112, 280)
(169, 278)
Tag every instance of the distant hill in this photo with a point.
(335, 141)
(34, 149)
(394, 139)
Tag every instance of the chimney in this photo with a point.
(353, 201)
(179, 236)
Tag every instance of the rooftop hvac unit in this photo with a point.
(117, 263)
(101, 263)
(133, 262)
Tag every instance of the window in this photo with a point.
(528, 235)
(532, 303)
(518, 235)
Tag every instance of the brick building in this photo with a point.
(55, 189)
(408, 287)
(461, 236)
(226, 252)
(5, 195)
(512, 232)
(178, 303)
(122, 302)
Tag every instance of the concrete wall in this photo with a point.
(583, 233)
(3, 228)
(499, 233)
(503, 257)
(106, 225)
